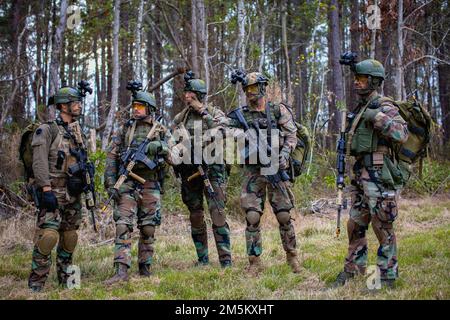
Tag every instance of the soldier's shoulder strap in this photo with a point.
(54, 129)
(128, 132)
(371, 104)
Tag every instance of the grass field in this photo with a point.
(423, 232)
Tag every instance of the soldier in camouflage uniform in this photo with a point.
(133, 199)
(192, 190)
(256, 186)
(59, 214)
(374, 129)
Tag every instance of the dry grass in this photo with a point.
(423, 231)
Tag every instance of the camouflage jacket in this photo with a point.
(375, 126)
(184, 126)
(123, 139)
(282, 118)
(53, 141)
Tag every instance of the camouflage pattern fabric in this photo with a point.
(254, 191)
(193, 192)
(256, 187)
(144, 204)
(141, 202)
(65, 218)
(368, 205)
(374, 198)
(48, 173)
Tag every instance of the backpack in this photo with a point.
(300, 154)
(26, 150)
(419, 126)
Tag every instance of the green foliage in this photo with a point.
(99, 160)
(435, 178)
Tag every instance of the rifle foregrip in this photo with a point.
(339, 197)
(137, 178)
(120, 181)
(193, 176)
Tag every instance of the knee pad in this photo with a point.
(283, 217)
(253, 218)
(196, 218)
(69, 240)
(147, 232)
(123, 232)
(46, 240)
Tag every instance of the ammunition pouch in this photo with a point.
(75, 185)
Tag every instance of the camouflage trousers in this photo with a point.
(65, 220)
(253, 196)
(144, 203)
(192, 193)
(371, 202)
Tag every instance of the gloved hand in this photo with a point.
(114, 194)
(164, 148)
(370, 114)
(49, 201)
(153, 148)
(284, 159)
(197, 106)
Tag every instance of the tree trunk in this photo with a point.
(337, 89)
(241, 53)
(115, 76)
(355, 41)
(194, 42)
(400, 81)
(56, 55)
(286, 52)
(138, 65)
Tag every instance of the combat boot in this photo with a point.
(291, 258)
(120, 275)
(342, 279)
(144, 270)
(254, 264)
(388, 283)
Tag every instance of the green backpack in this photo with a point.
(302, 149)
(419, 126)
(26, 150)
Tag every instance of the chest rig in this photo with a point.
(134, 134)
(363, 140)
(69, 137)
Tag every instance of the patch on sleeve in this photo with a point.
(38, 131)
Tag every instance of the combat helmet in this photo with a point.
(374, 70)
(198, 86)
(249, 79)
(144, 97)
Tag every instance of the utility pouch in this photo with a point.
(59, 162)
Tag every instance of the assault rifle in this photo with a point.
(209, 189)
(276, 179)
(133, 156)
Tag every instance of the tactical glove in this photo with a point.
(114, 194)
(153, 148)
(49, 201)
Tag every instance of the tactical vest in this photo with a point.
(59, 157)
(188, 118)
(374, 152)
(135, 132)
(258, 116)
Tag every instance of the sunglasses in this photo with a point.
(253, 89)
(139, 106)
